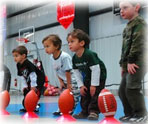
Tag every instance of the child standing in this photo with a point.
(32, 77)
(90, 73)
(62, 64)
(132, 63)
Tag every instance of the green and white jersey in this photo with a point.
(62, 64)
(88, 68)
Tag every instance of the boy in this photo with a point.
(90, 73)
(62, 64)
(132, 63)
(32, 77)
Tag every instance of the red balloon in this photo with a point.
(65, 12)
(4, 99)
(66, 101)
(31, 100)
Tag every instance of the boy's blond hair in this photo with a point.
(134, 2)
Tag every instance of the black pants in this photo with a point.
(130, 93)
(90, 104)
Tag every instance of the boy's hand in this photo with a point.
(62, 85)
(25, 88)
(122, 72)
(132, 68)
(69, 87)
(83, 90)
(34, 88)
(92, 90)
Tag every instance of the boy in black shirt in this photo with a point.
(32, 77)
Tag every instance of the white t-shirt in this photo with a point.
(62, 64)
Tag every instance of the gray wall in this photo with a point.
(37, 17)
(106, 40)
(105, 34)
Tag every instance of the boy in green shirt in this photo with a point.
(90, 74)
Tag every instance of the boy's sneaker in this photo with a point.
(93, 116)
(37, 108)
(22, 110)
(81, 115)
(138, 119)
(71, 112)
(57, 113)
(125, 118)
(38, 104)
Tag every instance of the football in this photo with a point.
(5, 99)
(66, 101)
(31, 101)
(107, 103)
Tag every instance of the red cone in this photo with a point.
(109, 120)
(66, 118)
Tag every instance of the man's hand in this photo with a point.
(132, 68)
(83, 90)
(92, 90)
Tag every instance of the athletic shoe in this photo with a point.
(57, 113)
(138, 119)
(125, 118)
(71, 112)
(93, 116)
(39, 104)
(37, 108)
(81, 115)
(22, 110)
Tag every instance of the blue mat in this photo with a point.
(46, 110)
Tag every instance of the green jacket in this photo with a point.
(134, 43)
